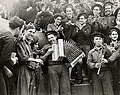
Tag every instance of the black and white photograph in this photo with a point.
(59, 47)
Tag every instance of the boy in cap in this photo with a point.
(59, 77)
(101, 73)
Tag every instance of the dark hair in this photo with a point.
(108, 3)
(68, 6)
(42, 20)
(58, 15)
(97, 5)
(16, 22)
(116, 12)
(82, 14)
(51, 32)
(113, 29)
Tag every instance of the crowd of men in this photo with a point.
(30, 30)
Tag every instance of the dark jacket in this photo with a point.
(6, 48)
(83, 35)
(70, 31)
(23, 53)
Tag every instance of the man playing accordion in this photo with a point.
(57, 68)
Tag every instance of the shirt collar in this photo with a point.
(113, 43)
(97, 49)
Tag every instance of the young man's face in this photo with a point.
(18, 31)
(52, 38)
(29, 34)
(108, 10)
(96, 11)
(76, 4)
(114, 36)
(98, 41)
(58, 20)
(69, 12)
(82, 20)
(54, 3)
(116, 3)
(62, 3)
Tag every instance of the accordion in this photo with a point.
(67, 49)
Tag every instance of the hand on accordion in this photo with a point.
(50, 50)
(61, 58)
(83, 55)
(81, 59)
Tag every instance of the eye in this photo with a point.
(30, 31)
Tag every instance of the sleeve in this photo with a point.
(90, 63)
(21, 53)
(108, 53)
(113, 57)
(7, 49)
(87, 32)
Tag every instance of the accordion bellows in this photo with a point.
(67, 49)
(71, 50)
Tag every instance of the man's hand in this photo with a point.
(61, 58)
(80, 60)
(15, 59)
(104, 60)
(8, 72)
(60, 28)
(50, 51)
(98, 65)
